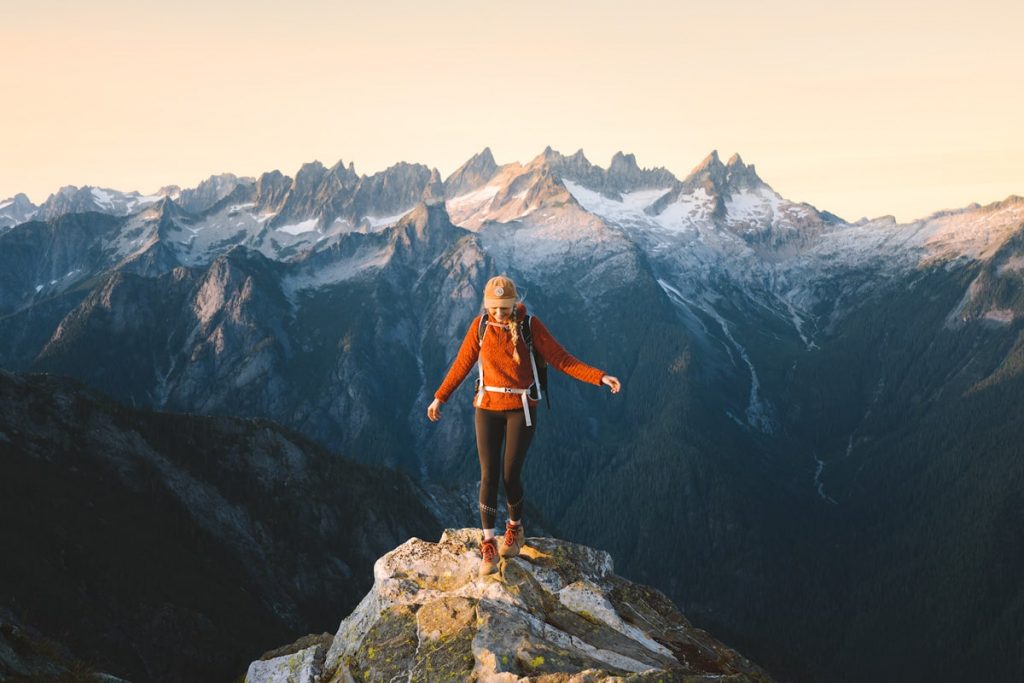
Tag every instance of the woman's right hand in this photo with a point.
(434, 410)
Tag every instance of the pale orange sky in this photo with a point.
(900, 108)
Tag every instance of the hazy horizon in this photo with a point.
(872, 110)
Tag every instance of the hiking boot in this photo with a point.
(488, 557)
(513, 540)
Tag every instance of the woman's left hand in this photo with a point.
(612, 382)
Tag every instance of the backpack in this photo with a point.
(526, 332)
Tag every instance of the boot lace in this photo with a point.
(488, 551)
(510, 534)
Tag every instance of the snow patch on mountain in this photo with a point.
(549, 238)
(319, 271)
(298, 228)
(103, 198)
(758, 413)
(474, 201)
(631, 207)
(380, 222)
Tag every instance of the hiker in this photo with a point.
(509, 346)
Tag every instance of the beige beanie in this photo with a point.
(499, 291)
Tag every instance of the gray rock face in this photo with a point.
(211, 191)
(557, 612)
(472, 174)
(434, 191)
(16, 210)
(339, 194)
(626, 176)
(718, 178)
(271, 191)
(301, 200)
(392, 191)
(301, 661)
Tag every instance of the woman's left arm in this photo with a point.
(556, 355)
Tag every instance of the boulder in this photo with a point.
(555, 613)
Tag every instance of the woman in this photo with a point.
(506, 403)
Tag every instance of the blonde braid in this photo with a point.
(513, 327)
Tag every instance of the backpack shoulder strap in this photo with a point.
(481, 328)
(527, 329)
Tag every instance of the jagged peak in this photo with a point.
(62, 191)
(402, 167)
(167, 206)
(310, 168)
(722, 179)
(579, 156)
(164, 211)
(433, 193)
(622, 159)
(19, 200)
(740, 174)
(553, 159)
(342, 171)
(477, 170)
(270, 175)
(710, 162)
(484, 156)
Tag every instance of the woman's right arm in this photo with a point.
(463, 363)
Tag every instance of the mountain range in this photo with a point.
(815, 454)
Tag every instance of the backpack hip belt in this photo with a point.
(523, 393)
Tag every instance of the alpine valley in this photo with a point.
(816, 453)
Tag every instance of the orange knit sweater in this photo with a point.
(501, 370)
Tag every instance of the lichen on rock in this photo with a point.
(557, 613)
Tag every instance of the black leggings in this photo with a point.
(491, 427)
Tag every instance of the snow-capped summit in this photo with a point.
(714, 182)
(16, 210)
(623, 174)
(513, 192)
(72, 199)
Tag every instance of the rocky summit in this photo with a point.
(555, 613)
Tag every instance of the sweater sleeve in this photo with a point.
(556, 355)
(463, 363)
